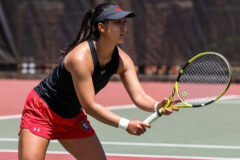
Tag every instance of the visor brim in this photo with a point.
(122, 14)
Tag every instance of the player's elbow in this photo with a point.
(89, 109)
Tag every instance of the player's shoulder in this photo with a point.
(123, 55)
(79, 56)
(81, 49)
(125, 61)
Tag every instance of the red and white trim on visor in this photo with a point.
(118, 9)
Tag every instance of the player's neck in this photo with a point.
(104, 49)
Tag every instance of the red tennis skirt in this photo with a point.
(43, 122)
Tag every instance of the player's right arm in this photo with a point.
(79, 63)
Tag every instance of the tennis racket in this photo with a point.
(201, 81)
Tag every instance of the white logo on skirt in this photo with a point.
(85, 125)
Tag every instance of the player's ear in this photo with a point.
(101, 27)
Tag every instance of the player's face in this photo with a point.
(116, 30)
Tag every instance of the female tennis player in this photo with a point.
(55, 109)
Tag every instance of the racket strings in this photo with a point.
(203, 80)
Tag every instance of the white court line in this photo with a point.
(8, 140)
(136, 155)
(130, 106)
(141, 144)
(172, 145)
(16, 151)
(119, 107)
(10, 117)
(221, 100)
(175, 157)
(150, 144)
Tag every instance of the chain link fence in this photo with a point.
(163, 35)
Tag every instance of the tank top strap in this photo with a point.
(93, 52)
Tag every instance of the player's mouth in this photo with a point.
(122, 35)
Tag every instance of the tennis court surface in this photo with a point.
(194, 134)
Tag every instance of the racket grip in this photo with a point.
(151, 118)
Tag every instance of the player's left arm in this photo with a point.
(130, 80)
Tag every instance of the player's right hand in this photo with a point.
(136, 127)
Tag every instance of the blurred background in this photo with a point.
(163, 35)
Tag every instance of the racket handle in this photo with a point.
(151, 118)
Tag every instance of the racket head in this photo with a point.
(203, 79)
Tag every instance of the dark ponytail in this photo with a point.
(89, 27)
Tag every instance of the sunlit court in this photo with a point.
(202, 133)
(119, 80)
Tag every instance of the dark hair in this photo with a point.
(89, 27)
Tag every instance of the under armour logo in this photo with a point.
(102, 72)
(36, 129)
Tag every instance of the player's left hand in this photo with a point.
(167, 111)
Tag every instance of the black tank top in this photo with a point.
(57, 89)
